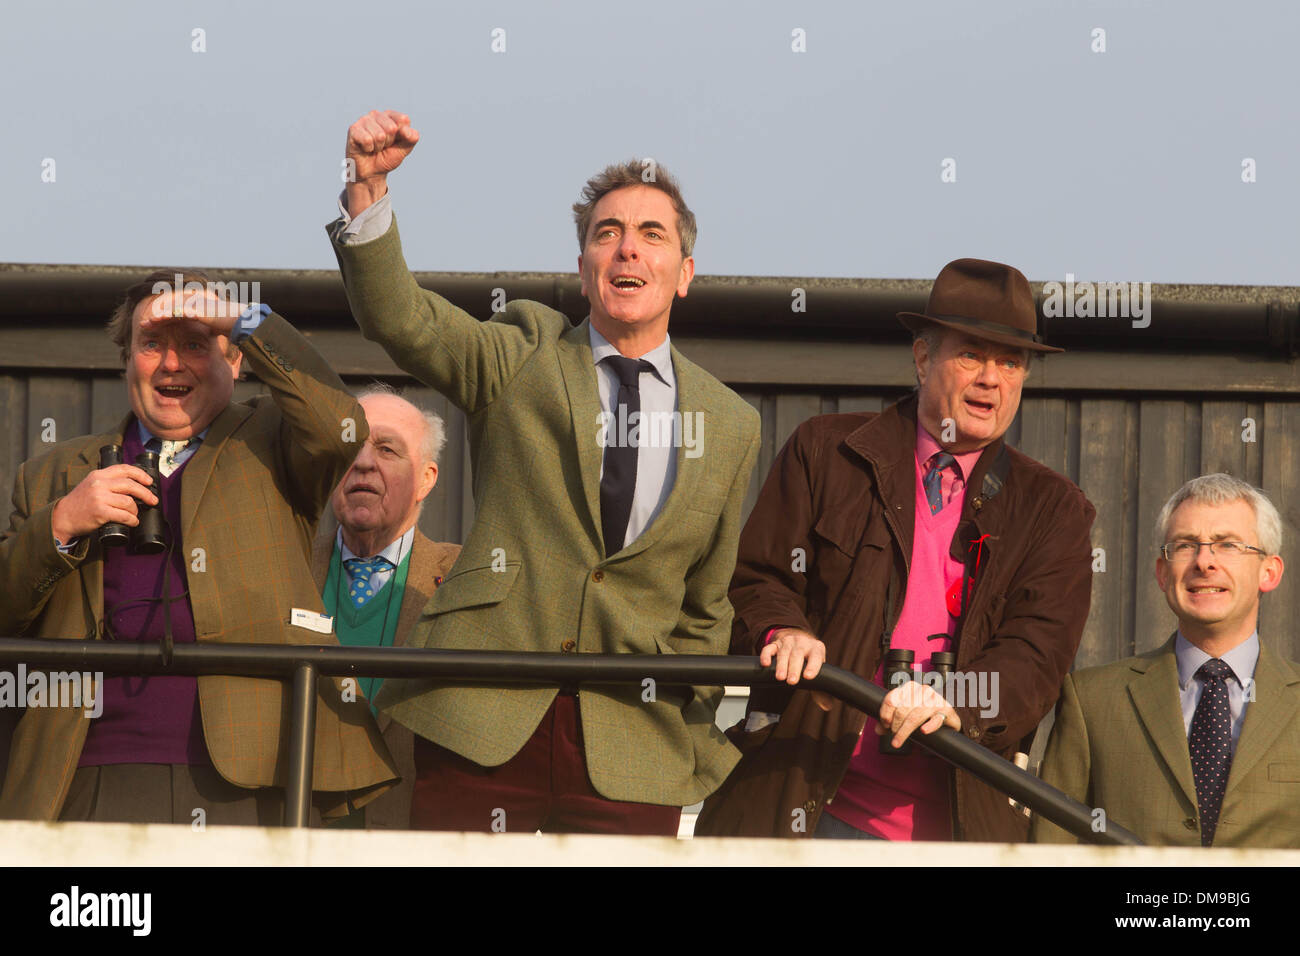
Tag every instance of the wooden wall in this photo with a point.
(1128, 442)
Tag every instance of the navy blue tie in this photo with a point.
(933, 481)
(1210, 743)
(618, 483)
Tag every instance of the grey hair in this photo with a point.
(635, 172)
(1222, 489)
(435, 429)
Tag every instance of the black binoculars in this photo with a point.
(149, 536)
(899, 669)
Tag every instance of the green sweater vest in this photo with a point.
(374, 624)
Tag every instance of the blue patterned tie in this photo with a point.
(1210, 743)
(933, 480)
(362, 569)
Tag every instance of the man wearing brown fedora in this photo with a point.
(913, 530)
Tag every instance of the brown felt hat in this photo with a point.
(985, 299)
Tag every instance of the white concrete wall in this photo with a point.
(105, 844)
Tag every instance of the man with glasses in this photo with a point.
(1197, 743)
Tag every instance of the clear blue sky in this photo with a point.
(1120, 165)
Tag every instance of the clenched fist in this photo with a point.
(377, 144)
(102, 496)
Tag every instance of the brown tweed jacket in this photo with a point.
(250, 501)
(431, 563)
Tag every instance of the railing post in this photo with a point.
(302, 738)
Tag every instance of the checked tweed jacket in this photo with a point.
(250, 498)
(533, 574)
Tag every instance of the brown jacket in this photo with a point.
(431, 563)
(250, 501)
(844, 489)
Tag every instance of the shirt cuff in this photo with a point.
(248, 322)
(371, 224)
(67, 548)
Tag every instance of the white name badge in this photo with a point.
(320, 623)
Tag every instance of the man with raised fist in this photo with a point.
(590, 536)
(222, 557)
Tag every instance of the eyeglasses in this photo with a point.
(1011, 366)
(1183, 551)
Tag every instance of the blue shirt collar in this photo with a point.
(1242, 659)
(147, 436)
(660, 356)
(396, 551)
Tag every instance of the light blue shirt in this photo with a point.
(656, 462)
(1242, 659)
(396, 552)
(371, 224)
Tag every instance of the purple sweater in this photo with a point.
(148, 719)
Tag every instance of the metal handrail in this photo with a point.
(304, 663)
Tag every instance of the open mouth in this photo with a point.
(981, 408)
(1207, 590)
(627, 282)
(173, 391)
(362, 490)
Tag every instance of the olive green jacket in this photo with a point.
(533, 574)
(1119, 744)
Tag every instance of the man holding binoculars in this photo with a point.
(208, 541)
(916, 548)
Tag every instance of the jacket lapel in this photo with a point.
(574, 353)
(688, 469)
(1267, 715)
(199, 469)
(888, 444)
(1155, 696)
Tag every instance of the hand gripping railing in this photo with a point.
(305, 663)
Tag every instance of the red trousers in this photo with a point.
(543, 787)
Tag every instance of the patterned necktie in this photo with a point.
(1210, 743)
(362, 570)
(168, 451)
(618, 483)
(933, 481)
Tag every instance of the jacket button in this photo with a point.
(1190, 823)
(598, 575)
(972, 732)
(568, 646)
(810, 806)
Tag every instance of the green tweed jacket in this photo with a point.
(250, 500)
(533, 575)
(1119, 744)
